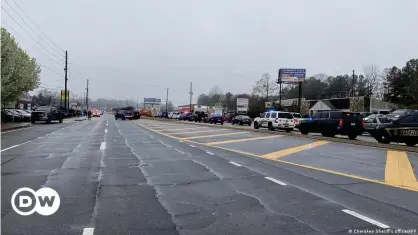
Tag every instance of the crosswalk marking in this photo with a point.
(399, 171)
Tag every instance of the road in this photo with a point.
(152, 177)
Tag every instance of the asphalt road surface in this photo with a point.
(151, 177)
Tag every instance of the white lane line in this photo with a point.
(88, 231)
(192, 146)
(179, 151)
(181, 141)
(276, 181)
(234, 163)
(103, 146)
(210, 153)
(14, 146)
(19, 129)
(105, 130)
(365, 218)
(107, 123)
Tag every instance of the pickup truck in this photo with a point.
(331, 123)
(47, 114)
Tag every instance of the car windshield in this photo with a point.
(400, 111)
(384, 120)
(43, 108)
(297, 115)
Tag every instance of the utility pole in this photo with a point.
(352, 92)
(191, 95)
(65, 87)
(280, 89)
(87, 95)
(136, 104)
(166, 102)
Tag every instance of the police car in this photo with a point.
(402, 130)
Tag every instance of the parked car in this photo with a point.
(331, 123)
(176, 115)
(216, 118)
(297, 117)
(10, 116)
(200, 116)
(374, 121)
(399, 113)
(275, 120)
(229, 116)
(242, 120)
(25, 116)
(47, 114)
(402, 130)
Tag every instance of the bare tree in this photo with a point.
(266, 86)
(321, 76)
(373, 77)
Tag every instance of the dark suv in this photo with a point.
(331, 123)
(47, 114)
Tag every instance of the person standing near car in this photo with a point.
(89, 114)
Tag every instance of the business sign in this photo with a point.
(152, 101)
(291, 75)
(63, 96)
(242, 105)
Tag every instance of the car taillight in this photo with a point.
(295, 120)
(341, 122)
(362, 123)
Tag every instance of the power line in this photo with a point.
(24, 21)
(52, 70)
(38, 27)
(27, 41)
(30, 34)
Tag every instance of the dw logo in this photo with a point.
(26, 201)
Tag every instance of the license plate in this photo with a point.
(353, 124)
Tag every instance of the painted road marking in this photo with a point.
(285, 152)
(192, 132)
(105, 130)
(242, 140)
(88, 231)
(276, 181)
(190, 145)
(14, 146)
(107, 122)
(287, 162)
(234, 163)
(103, 146)
(208, 136)
(399, 170)
(365, 218)
(180, 129)
(210, 153)
(19, 129)
(179, 151)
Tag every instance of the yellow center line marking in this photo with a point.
(192, 132)
(242, 140)
(178, 129)
(208, 136)
(399, 171)
(292, 163)
(284, 152)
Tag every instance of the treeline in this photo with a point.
(394, 85)
(19, 72)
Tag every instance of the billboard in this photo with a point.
(152, 101)
(291, 75)
(242, 105)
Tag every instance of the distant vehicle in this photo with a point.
(229, 116)
(275, 120)
(176, 115)
(242, 120)
(186, 116)
(22, 115)
(216, 118)
(95, 113)
(200, 116)
(374, 121)
(129, 113)
(297, 118)
(331, 123)
(365, 114)
(47, 114)
(402, 130)
(399, 113)
(170, 115)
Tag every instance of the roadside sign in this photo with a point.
(242, 105)
(63, 96)
(152, 101)
(291, 75)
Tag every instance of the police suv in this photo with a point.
(402, 130)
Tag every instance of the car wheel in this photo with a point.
(32, 121)
(270, 126)
(233, 123)
(352, 136)
(60, 121)
(288, 130)
(241, 123)
(303, 132)
(256, 125)
(382, 137)
(222, 123)
(410, 143)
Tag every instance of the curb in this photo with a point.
(337, 140)
(16, 127)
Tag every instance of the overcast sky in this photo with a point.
(136, 48)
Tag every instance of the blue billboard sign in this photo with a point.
(152, 101)
(291, 75)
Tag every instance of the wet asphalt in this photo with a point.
(145, 182)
